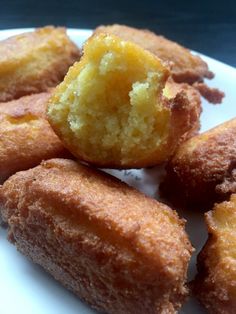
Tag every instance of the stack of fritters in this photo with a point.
(132, 101)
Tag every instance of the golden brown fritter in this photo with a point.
(204, 167)
(114, 247)
(26, 136)
(110, 109)
(215, 284)
(32, 62)
(185, 67)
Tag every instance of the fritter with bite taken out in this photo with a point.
(110, 109)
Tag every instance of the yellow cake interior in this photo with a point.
(110, 105)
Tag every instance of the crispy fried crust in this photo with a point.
(204, 167)
(117, 249)
(215, 283)
(185, 66)
(172, 89)
(119, 117)
(213, 95)
(32, 62)
(26, 136)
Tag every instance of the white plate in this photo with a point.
(26, 289)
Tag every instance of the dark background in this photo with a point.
(206, 26)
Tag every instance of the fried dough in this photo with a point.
(204, 167)
(213, 95)
(215, 284)
(26, 136)
(185, 67)
(114, 247)
(110, 109)
(32, 62)
(172, 89)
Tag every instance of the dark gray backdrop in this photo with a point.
(206, 26)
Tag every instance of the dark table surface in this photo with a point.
(205, 26)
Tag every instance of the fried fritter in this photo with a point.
(110, 109)
(114, 247)
(215, 284)
(32, 62)
(26, 136)
(204, 167)
(185, 67)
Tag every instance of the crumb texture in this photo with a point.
(110, 109)
(185, 66)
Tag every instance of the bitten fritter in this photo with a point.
(204, 167)
(114, 247)
(215, 284)
(26, 136)
(32, 62)
(110, 109)
(185, 67)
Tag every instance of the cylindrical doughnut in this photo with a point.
(117, 249)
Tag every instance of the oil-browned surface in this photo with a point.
(194, 104)
(213, 95)
(26, 137)
(204, 167)
(117, 249)
(32, 62)
(215, 284)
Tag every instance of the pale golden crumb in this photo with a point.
(185, 67)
